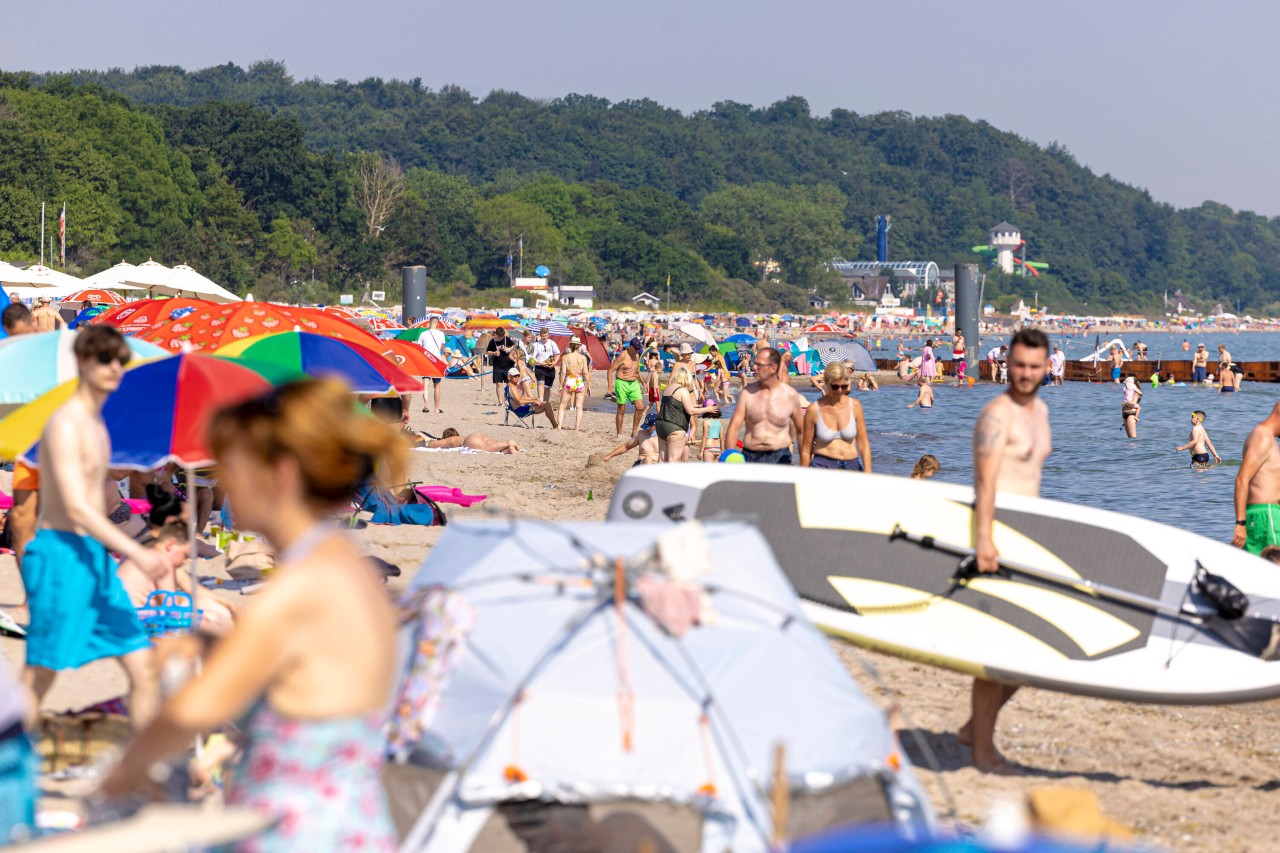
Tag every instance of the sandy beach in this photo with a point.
(1184, 778)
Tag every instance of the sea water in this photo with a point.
(1093, 461)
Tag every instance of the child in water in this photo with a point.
(1199, 443)
(711, 426)
(926, 466)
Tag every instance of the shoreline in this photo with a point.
(1181, 776)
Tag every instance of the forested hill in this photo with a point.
(620, 194)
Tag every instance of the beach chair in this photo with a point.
(524, 414)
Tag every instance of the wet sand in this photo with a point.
(1184, 778)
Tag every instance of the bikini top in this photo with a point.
(826, 434)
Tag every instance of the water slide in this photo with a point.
(1103, 351)
(1032, 267)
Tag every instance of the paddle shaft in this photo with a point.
(1084, 585)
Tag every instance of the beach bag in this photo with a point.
(1228, 601)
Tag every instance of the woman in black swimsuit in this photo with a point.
(675, 410)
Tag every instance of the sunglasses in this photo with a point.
(838, 386)
(105, 358)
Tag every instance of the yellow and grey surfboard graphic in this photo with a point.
(834, 547)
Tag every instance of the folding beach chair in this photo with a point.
(524, 414)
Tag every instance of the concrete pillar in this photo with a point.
(967, 308)
(414, 299)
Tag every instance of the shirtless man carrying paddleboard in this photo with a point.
(1010, 443)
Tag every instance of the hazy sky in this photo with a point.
(1177, 96)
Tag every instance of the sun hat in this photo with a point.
(515, 371)
(685, 349)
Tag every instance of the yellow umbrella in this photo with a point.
(24, 426)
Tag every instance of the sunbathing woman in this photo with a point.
(451, 438)
(308, 668)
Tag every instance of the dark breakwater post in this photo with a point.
(967, 315)
(414, 299)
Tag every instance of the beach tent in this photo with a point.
(845, 351)
(546, 683)
(591, 343)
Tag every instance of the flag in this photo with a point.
(62, 232)
(510, 260)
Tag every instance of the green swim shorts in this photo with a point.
(626, 391)
(1261, 526)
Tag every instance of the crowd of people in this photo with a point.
(302, 676)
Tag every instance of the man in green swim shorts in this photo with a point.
(1258, 488)
(624, 373)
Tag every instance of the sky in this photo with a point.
(1176, 96)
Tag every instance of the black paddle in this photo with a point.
(1254, 635)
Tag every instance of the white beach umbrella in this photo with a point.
(697, 332)
(179, 281)
(148, 275)
(36, 275)
(113, 278)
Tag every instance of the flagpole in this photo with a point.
(62, 233)
(41, 233)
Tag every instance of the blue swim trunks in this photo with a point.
(80, 611)
(1115, 373)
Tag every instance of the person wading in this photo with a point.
(1011, 440)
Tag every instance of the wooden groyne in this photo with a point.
(1077, 371)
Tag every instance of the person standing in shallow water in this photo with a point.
(1011, 441)
(1130, 408)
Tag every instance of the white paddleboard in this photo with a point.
(8, 625)
(830, 533)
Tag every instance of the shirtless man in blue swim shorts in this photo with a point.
(80, 611)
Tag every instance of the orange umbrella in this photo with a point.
(134, 317)
(319, 322)
(382, 324)
(342, 311)
(414, 360)
(94, 294)
(210, 327)
(488, 321)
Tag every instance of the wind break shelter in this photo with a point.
(544, 677)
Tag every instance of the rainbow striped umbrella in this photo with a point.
(160, 413)
(366, 371)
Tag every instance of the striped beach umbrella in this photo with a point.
(366, 370)
(555, 327)
(30, 365)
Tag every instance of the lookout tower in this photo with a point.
(1005, 239)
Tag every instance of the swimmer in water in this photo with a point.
(1199, 443)
(926, 466)
(924, 398)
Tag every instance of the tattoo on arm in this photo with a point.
(988, 435)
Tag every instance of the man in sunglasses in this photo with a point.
(80, 611)
(770, 410)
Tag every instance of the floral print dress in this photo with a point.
(323, 778)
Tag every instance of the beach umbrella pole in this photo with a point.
(191, 539)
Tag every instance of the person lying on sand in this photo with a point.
(451, 438)
(172, 543)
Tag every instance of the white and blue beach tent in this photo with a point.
(548, 682)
